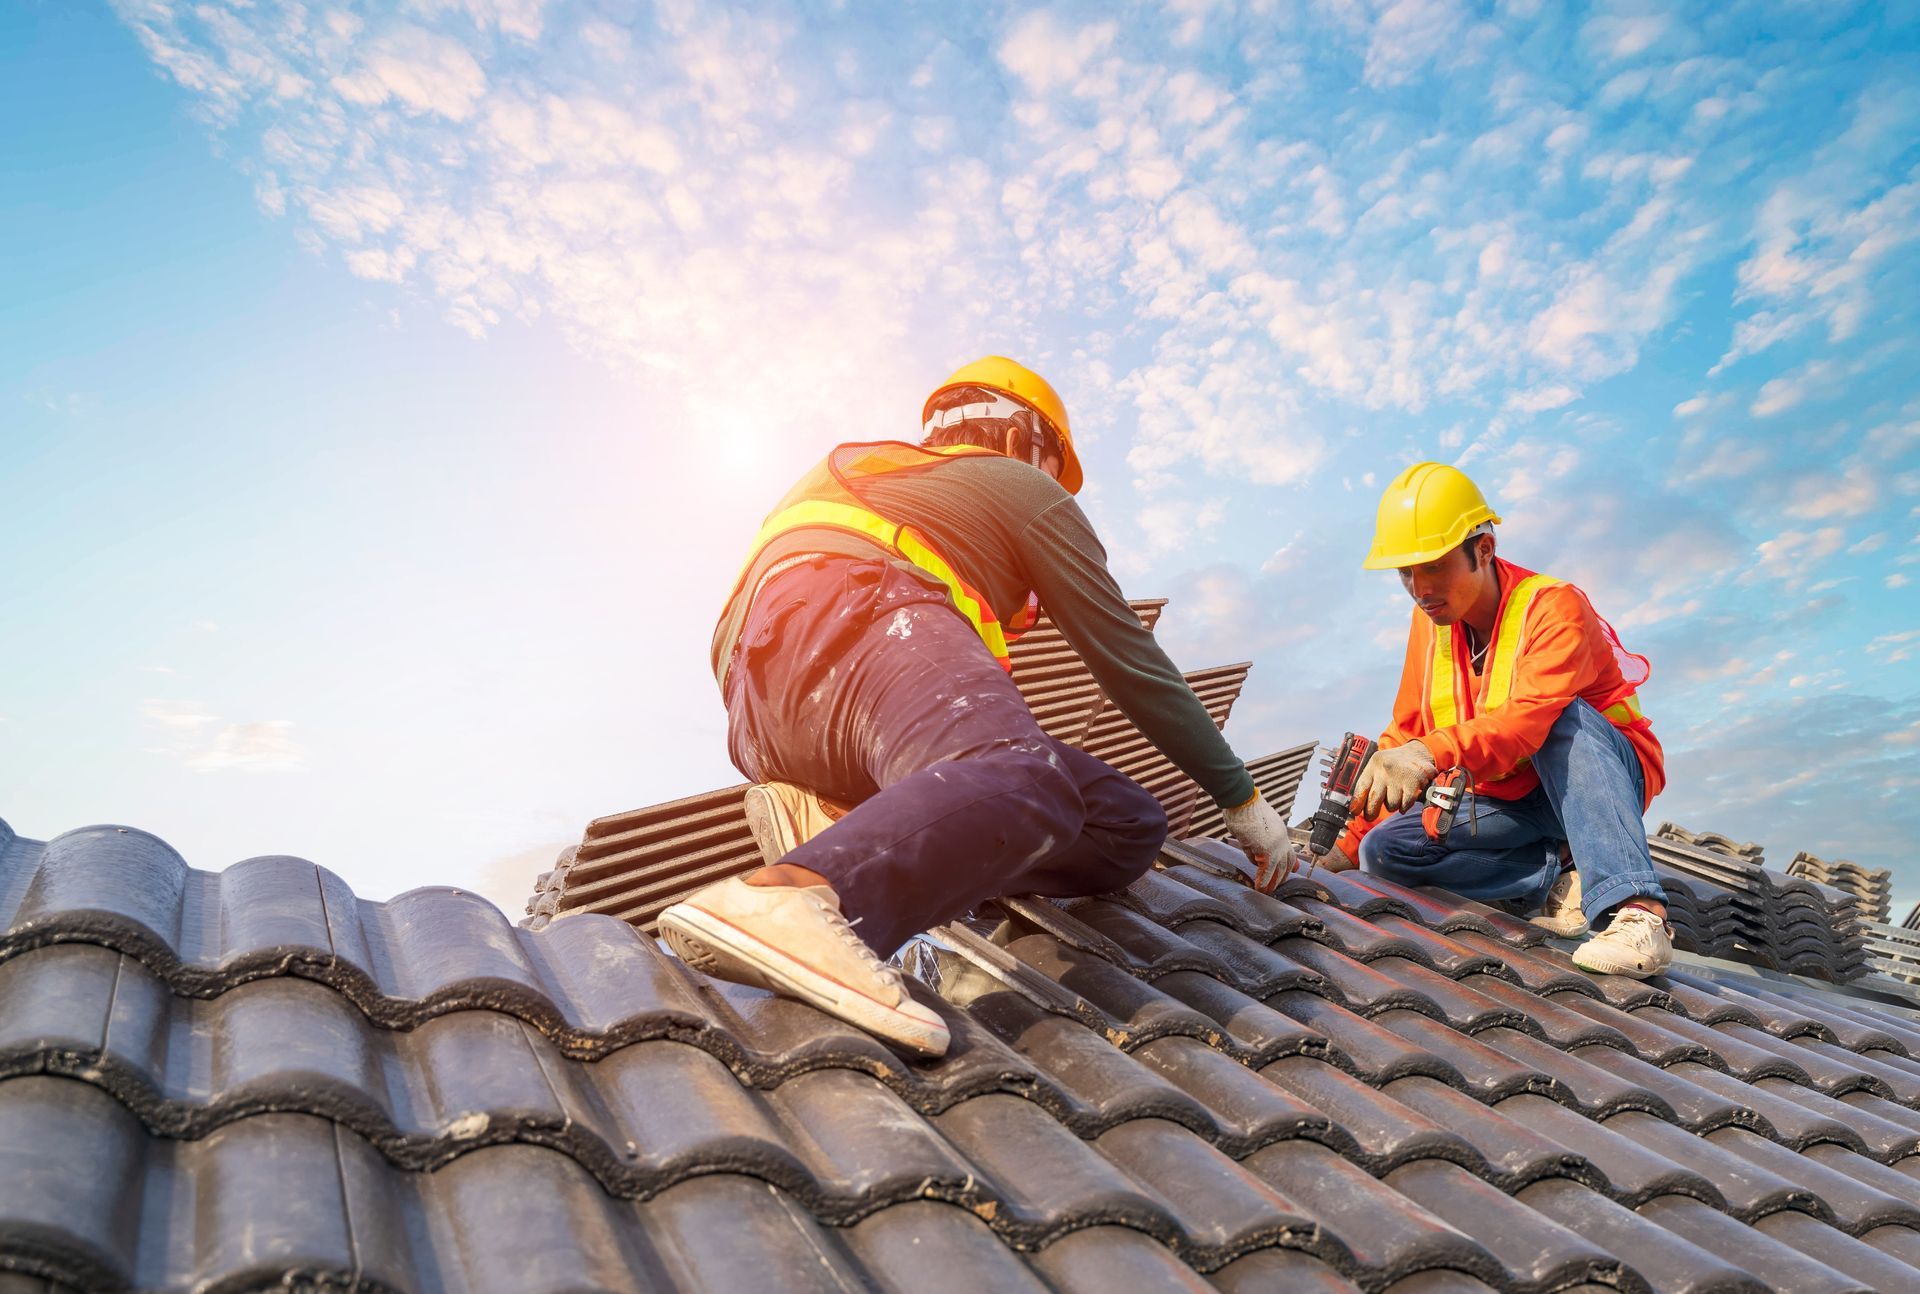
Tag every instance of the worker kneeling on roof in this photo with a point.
(1515, 691)
(863, 658)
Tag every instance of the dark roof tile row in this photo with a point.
(1183, 1086)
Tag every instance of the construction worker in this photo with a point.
(863, 658)
(1513, 679)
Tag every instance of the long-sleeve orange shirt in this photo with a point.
(1564, 653)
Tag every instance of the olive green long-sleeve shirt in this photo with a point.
(1007, 527)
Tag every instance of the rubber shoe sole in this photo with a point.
(1562, 915)
(1566, 927)
(715, 947)
(779, 825)
(769, 825)
(1604, 956)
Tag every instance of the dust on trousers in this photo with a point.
(860, 682)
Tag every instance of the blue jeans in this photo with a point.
(1590, 796)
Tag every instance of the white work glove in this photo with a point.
(1263, 834)
(1393, 779)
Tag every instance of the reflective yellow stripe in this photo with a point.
(1443, 686)
(1624, 711)
(896, 539)
(983, 620)
(1506, 639)
(1440, 698)
(1443, 701)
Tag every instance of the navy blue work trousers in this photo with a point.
(861, 682)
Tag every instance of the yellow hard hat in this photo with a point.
(1426, 513)
(998, 373)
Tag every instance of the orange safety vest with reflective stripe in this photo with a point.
(829, 497)
(1449, 696)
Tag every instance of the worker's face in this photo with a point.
(1447, 587)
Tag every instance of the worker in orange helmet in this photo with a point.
(863, 658)
(1513, 679)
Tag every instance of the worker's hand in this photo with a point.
(1263, 834)
(1393, 779)
(1336, 860)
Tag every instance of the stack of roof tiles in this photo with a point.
(1892, 950)
(1873, 886)
(1723, 903)
(1714, 842)
(633, 865)
(252, 1079)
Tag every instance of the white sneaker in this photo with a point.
(794, 941)
(783, 816)
(1635, 944)
(1561, 914)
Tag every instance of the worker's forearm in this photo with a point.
(1175, 721)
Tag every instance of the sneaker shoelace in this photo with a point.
(888, 975)
(1644, 917)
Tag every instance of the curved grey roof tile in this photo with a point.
(1350, 1086)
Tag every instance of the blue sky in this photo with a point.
(387, 392)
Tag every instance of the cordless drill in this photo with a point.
(1336, 793)
(1442, 797)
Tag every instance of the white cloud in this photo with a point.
(1790, 555)
(1625, 36)
(517, 18)
(1541, 398)
(1895, 647)
(1046, 56)
(1819, 495)
(1821, 237)
(1409, 34)
(206, 743)
(611, 41)
(861, 124)
(264, 747)
(1777, 395)
(1726, 459)
(1170, 526)
(424, 71)
(1760, 331)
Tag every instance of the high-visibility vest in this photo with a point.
(1450, 698)
(829, 498)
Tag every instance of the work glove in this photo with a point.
(1263, 834)
(1393, 779)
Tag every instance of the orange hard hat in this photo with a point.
(1009, 378)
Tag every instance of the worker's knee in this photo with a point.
(1584, 752)
(1400, 841)
(1577, 719)
(1132, 813)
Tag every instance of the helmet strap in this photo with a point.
(1027, 439)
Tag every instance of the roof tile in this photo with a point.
(1186, 1081)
